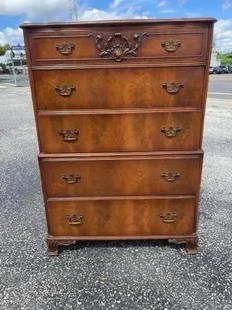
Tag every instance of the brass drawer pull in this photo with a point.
(75, 219)
(71, 178)
(69, 135)
(64, 90)
(171, 45)
(169, 218)
(172, 87)
(170, 131)
(65, 48)
(170, 176)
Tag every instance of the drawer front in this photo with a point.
(119, 88)
(120, 132)
(121, 176)
(122, 217)
(118, 45)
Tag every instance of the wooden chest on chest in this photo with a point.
(119, 109)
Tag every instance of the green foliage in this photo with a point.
(226, 59)
(3, 49)
(4, 68)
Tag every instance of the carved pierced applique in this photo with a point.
(118, 46)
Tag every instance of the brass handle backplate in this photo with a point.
(75, 219)
(172, 87)
(170, 176)
(171, 45)
(64, 90)
(65, 48)
(169, 218)
(170, 131)
(71, 178)
(69, 135)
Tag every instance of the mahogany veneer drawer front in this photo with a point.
(104, 132)
(121, 176)
(124, 217)
(119, 88)
(154, 43)
(119, 108)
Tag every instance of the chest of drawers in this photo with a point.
(119, 109)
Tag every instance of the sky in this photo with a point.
(15, 12)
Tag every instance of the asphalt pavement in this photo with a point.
(220, 86)
(136, 275)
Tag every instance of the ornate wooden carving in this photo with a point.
(170, 131)
(75, 219)
(53, 245)
(172, 88)
(69, 135)
(171, 45)
(169, 217)
(71, 178)
(65, 48)
(130, 50)
(64, 90)
(170, 176)
(191, 243)
(118, 46)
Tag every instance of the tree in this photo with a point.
(226, 58)
(4, 48)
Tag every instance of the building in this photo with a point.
(15, 59)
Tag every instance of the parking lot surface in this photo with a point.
(132, 275)
(220, 86)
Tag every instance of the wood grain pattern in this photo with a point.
(184, 22)
(121, 176)
(42, 40)
(84, 45)
(130, 217)
(121, 132)
(106, 88)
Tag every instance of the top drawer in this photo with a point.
(117, 44)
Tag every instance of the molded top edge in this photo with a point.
(119, 22)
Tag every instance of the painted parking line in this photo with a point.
(224, 94)
(219, 101)
(1, 86)
(11, 84)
